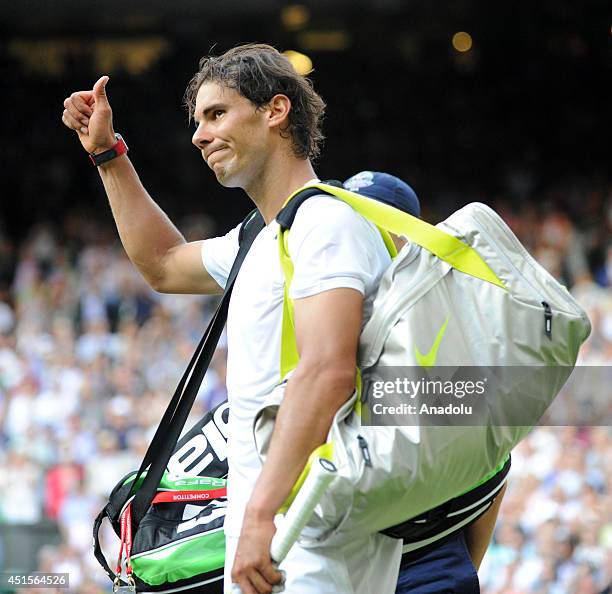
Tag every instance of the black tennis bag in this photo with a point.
(179, 544)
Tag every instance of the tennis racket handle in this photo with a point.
(322, 473)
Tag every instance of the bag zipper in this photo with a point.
(365, 451)
(547, 320)
(176, 542)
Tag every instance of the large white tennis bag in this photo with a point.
(427, 310)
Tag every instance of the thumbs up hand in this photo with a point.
(89, 114)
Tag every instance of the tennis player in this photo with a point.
(258, 128)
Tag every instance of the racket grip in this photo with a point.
(321, 474)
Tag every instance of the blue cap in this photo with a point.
(385, 188)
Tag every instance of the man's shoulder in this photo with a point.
(330, 224)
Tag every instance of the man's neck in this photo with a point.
(277, 183)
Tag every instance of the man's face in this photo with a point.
(231, 133)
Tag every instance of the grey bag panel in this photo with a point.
(487, 324)
(412, 472)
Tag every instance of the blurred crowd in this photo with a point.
(89, 357)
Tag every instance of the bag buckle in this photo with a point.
(124, 589)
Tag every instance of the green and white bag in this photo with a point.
(179, 544)
(467, 294)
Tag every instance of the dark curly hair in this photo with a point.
(258, 72)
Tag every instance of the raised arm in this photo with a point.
(168, 263)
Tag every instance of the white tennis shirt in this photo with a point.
(331, 246)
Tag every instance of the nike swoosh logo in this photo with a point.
(429, 360)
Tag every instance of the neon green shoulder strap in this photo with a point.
(388, 220)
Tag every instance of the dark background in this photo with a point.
(523, 116)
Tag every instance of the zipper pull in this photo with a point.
(547, 320)
(365, 452)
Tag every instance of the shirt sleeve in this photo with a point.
(332, 246)
(218, 255)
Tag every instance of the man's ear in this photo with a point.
(279, 108)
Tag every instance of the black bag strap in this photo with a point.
(286, 216)
(253, 223)
(99, 555)
(176, 414)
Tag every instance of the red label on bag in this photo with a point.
(180, 496)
